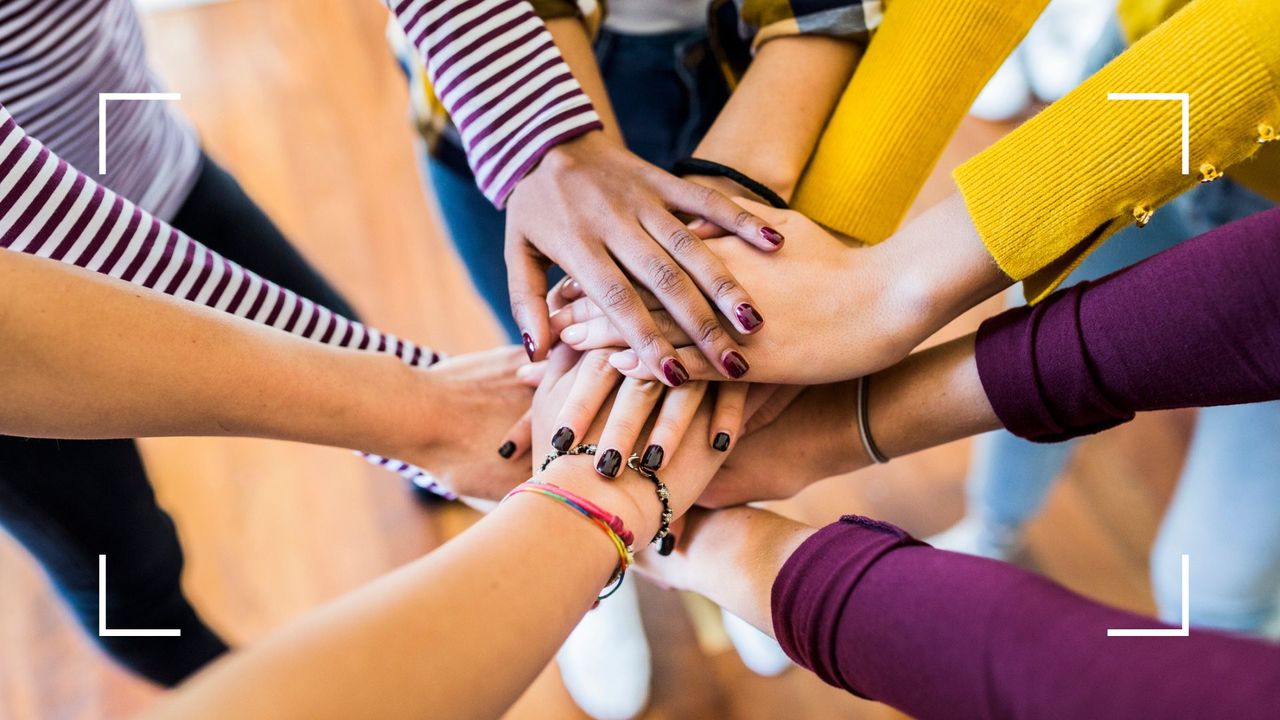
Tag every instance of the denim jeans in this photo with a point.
(665, 89)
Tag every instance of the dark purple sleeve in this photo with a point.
(937, 634)
(1196, 325)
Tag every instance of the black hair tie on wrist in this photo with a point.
(697, 166)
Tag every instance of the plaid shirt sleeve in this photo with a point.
(764, 20)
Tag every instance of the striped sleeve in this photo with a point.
(51, 210)
(496, 69)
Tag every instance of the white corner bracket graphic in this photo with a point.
(1185, 99)
(103, 631)
(1183, 631)
(102, 118)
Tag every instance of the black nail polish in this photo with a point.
(562, 440)
(529, 347)
(666, 545)
(652, 459)
(734, 364)
(721, 442)
(507, 450)
(610, 463)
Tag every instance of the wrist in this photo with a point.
(629, 496)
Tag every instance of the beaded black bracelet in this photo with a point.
(698, 166)
(664, 538)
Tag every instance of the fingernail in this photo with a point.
(625, 360)
(675, 372)
(666, 545)
(574, 334)
(609, 464)
(748, 317)
(529, 347)
(562, 440)
(734, 364)
(573, 288)
(773, 236)
(507, 450)
(652, 459)
(721, 442)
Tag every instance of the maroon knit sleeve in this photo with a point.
(941, 635)
(1194, 326)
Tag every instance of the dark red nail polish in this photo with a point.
(652, 459)
(721, 442)
(734, 364)
(507, 450)
(773, 236)
(610, 463)
(562, 440)
(748, 317)
(675, 372)
(529, 347)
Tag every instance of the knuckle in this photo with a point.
(680, 241)
(619, 297)
(741, 219)
(664, 276)
(648, 342)
(710, 330)
(596, 363)
(723, 286)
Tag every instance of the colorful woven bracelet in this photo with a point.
(610, 523)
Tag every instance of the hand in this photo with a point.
(837, 311)
(688, 468)
(801, 436)
(606, 216)
(473, 410)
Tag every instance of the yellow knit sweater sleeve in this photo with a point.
(1050, 191)
(921, 72)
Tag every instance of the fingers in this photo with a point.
(613, 292)
(565, 292)
(682, 298)
(706, 269)
(631, 410)
(726, 418)
(518, 438)
(591, 387)
(678, 409)
(600, 333)
(627, 363)
(531, 374)
(527, 284)
(704, 202)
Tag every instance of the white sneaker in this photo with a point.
(605, 663)
(975, 536)
(1006, 95)
(759, 652)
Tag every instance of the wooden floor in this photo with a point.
(301, 100)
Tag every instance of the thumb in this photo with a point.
(527, 285)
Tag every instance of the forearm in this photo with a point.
(785, 97)
(459, 633)
(571, 37)
(85, 356)
(939, 634)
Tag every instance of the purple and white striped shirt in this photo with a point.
(56, 56)
(51, 210)
(497, 71)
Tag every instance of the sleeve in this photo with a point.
(1193, 326)
(940, 635)
(765, 20)
(495, 68)
(926, 65)
(51, 210)
(1046, 194)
